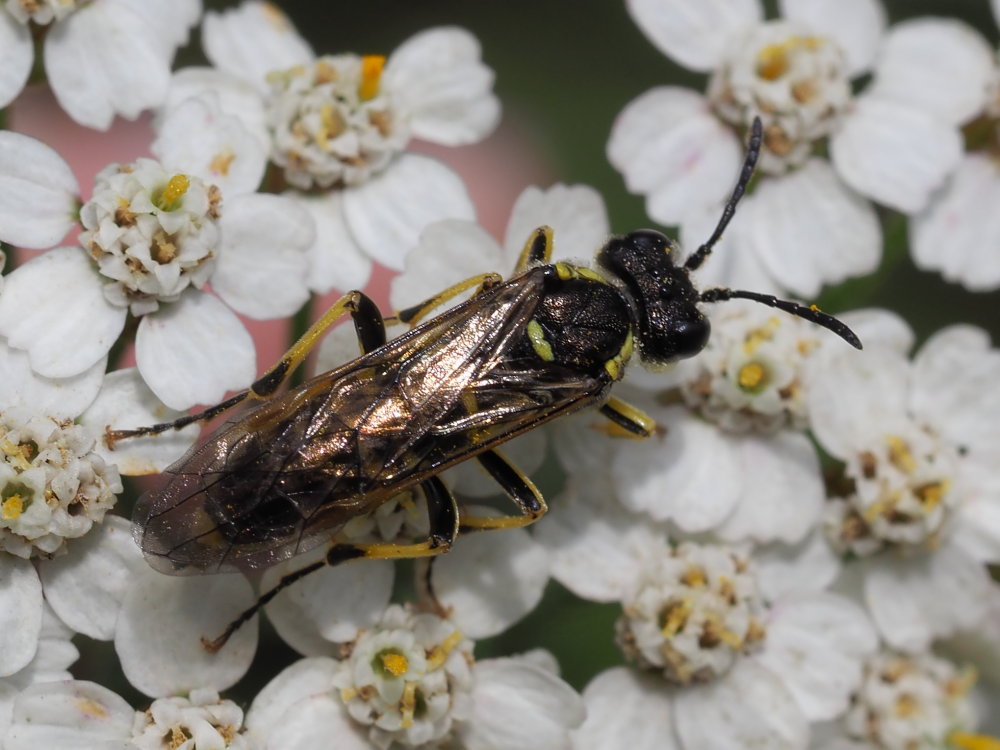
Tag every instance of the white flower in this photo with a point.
(154, 236)
(809, 221)
(918, 441)
(412, 681)
(57, 482)
(101, 58)
(341, 123)
(80, 714)
(956, 233)
(722, 663)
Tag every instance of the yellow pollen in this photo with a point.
(371, 75)
(694, 577)
(17, 454)
(773, 59)
(348, 694)
(676, 617)
(967, 741)
(91, 708)
(899, 454)
(751, 376)
(221, 162)
(13, 507)
(395, 664)
(437, 655)
(174, 191)
(930, 495)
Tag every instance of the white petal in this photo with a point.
(194, 351)
(914, 600)
(857, 26)
(235, 96)
(783, 490)
(86, 588)
(879, 327)
(516, 704)
(939, 65)
(387, 213)
(751, 707)
(816, 643)
(955, 375)
(491, 580)
(626, 709)
(105, 59)
(171, 22)
(262, 264)
(318, 721)
(126, 402)
(596, 549)
(439, 80)
(689, 474)
(576, 213)
(65, 333)
(300, 680)
(958, 232)
(196, 137)
(448, 252)
(16, 56)
(694, 34)
(810, 565)
(335, 260)
(810, 229)
(977, 520)
(20, 613)
(38, 192)
(253, 40)
(895, 154)
(670, 147)
(71, 715)
(162, 622)
(330, 605)
(63, 398)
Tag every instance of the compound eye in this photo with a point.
(647, 240)
(691, 337)
(681, 339)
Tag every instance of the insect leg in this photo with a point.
(442, 510)
(635, 422)
(416, 313)
(367, 323)
(518, 488)
(537, 250)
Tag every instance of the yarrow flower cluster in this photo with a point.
(801, 551)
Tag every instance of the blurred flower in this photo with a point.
(809, 222)
(101, 58)
(341, 123)
(411, 681)
(154, 236)
(85, 715)
(920, 499)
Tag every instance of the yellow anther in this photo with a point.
(13, 507)
(408, 705)
(675, 617)
(394, 663)
(437, 655)
(773, 59)
(176, 188)
(751, 376)
(371, 75)
(17, 454)
(694, 577)
(930, 495)
(899, 454)
(906, 706)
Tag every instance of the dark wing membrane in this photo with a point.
(294, 470)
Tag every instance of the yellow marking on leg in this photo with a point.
(413, 315)
(387, 551)
(484, 523)
(544, 235)
(630, 413)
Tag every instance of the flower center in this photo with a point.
(53, 486)
(911, 701)
(151, 233)
(333, 122)
(692, 615)
(795, 82)
(202, 716)
(902, 495)
(407, 678)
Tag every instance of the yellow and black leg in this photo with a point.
(367, 324)
(629, 421)
(516, 486)
(413, 315)
(537, 250)
(442, 510)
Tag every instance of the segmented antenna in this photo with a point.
(813, 314)
(749, 164)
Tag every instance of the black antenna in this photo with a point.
(749, 164)
(813, 313)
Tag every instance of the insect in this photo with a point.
(552, 339)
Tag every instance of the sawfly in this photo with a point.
(554, 338)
